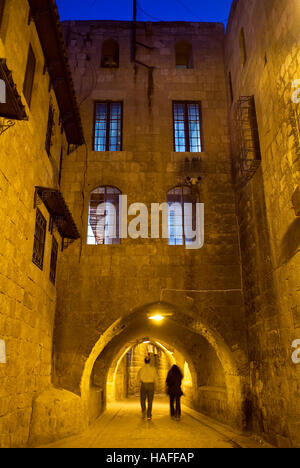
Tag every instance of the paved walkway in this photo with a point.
(121, 426)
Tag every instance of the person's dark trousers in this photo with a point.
(147, 393)
(175, 406)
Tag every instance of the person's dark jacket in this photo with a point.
(174, 384)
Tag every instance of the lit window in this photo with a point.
(103, 223)
(184, 55)
(187, 127)
(178, 199)
(108, 126)
(110, 54)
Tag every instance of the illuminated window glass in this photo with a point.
(108, 126)
(187, 127)
(179, 216)
(103, 222)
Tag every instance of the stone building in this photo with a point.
(39, 122)
(171, 112)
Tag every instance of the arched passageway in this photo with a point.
(216, 381)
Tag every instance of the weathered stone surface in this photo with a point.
(233, 305)
(27, 297)
(269, 230)
(56, 414)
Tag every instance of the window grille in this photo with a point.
(39, 240)
(108, 126)
(187, 127)
(179, 217)
(248, 136)
(29, 76)
(103, 223)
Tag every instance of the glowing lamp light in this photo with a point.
(157, 318)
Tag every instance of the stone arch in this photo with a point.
(164, 346)
(232, 361)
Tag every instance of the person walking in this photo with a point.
(174, 381)
(147, 378)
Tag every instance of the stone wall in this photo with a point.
(99, 285)
(27, 297)
(269, 230)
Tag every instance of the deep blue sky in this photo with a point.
(167, 10)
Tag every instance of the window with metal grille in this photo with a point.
(110, 54)
(103, 223)
(184, 55)
(39, 239)
(179, 215)
(29, 76)
(2, 6)
(50, 125)
(248, 136)
(108, 126)
(187, 127)
(53, 262)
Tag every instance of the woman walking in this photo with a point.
(174, 391)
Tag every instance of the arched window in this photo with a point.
(184, 55)
(110, 54)
(181, 214)
(103, 223)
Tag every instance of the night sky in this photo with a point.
(166, 10)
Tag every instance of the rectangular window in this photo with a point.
(243, 49)
(2, 5)
(108, 126)
(180, 216)
(230, 87)
(29, 76)
(53, 263)
(49, 130)
(39, 240)
(187, 127)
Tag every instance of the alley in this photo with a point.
(122, 427)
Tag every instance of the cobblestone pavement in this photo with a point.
(121, 426)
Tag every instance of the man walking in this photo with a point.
(147, 377)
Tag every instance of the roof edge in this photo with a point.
(47, 21)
